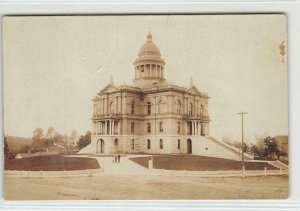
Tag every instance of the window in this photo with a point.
(112, 108)
(148, 144)
(132, 143)
(149, 108)
(132, 107)
(201, 110)
(178, 107)
(149, 127)
(178, 144)
(132, 127)
(161, 144)
(159, 106)
(178, 127)
(190, 109)
(161, 127)
(116, 141)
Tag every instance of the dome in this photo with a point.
(149, 52)
(149, 47)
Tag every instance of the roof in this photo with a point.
(160, 85)
(149, 52)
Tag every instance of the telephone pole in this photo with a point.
(243, 160)
(155, 117)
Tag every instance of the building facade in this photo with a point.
(151, 116)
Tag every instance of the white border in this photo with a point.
(292, 11)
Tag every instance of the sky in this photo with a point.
(54, 66)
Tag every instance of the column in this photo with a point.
(112, 127)
(105, 127)
(119, 132)
(186, 127)
(97, 127)
(94, 128)
(109, 132)
(159, 71)
(193, 127)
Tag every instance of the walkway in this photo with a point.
(125, 167)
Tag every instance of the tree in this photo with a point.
(50, 133)
(245, 147)
(38, 134)
(25, 149)
(271, 147)
(6, 149)
(73, 137)
(85, 140)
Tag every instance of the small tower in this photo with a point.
(149, 66)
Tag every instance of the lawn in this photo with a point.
(51, 163)
(198, 163)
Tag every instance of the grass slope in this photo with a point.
(198, 163)
(51, 163)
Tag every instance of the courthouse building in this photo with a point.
(153, 115)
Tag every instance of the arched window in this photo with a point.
(132, 143)
(161, 144)
(149, 108)
(132, 107)
(178, 107)
(148, 144)
(112, 107)
(116, 142)
(190, 109)
(201, 110)
(178, 144)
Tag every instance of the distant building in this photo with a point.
(18, 156)
(282, 142)
(153, 115)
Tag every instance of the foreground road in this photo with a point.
(146, 187)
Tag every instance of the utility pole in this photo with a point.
(155, 117)
(243, 160)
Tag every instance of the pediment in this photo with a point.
(109, 88)
(193, 90)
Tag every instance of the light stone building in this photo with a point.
(153, 115)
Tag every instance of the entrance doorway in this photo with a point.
(100, 146)
(116, 145)
(189, 146)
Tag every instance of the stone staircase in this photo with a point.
(279, 164)
(231, 148)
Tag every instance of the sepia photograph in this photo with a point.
(145, 107)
